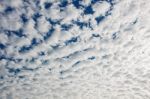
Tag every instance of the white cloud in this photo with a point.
(71, 13)
(105, 58)
(15, 3)
(85, 2)
(100, 8)
(53, 13)
(43, 25)
(13, 20)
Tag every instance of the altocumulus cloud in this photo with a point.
(74, 49)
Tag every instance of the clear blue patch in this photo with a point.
(35, 42)
(77, 4)
(41, 53)
(89, 25)
(8, 33)
(14, 71)
(24, 18)
(99, 19)
(91, 58)
(48, 34)
(76, 63)
(88, 10)
(114, 36)
(45, 62)
(37, 3)
(25, 49)
(36, 16)
(95, 35)
(9, 9)
(10, 59)
(80, 24)
(64, 3)
(2, 57)
(61, 72)
(72, 40)
(5, 57)
(19, 33)
(32, 60)
(109, 11)
(21, 77)
(47, 5)
(2, 46)
(134, 22)
(26, 68)
(95, 1)
(65, 27)
(53, 22)
(1, 77)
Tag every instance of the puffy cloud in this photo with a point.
(100, 8)
(74, 49)
(43, 25)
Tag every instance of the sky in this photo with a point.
(74, 49)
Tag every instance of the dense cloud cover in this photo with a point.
(74, 49)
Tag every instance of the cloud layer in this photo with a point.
(75, 49)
